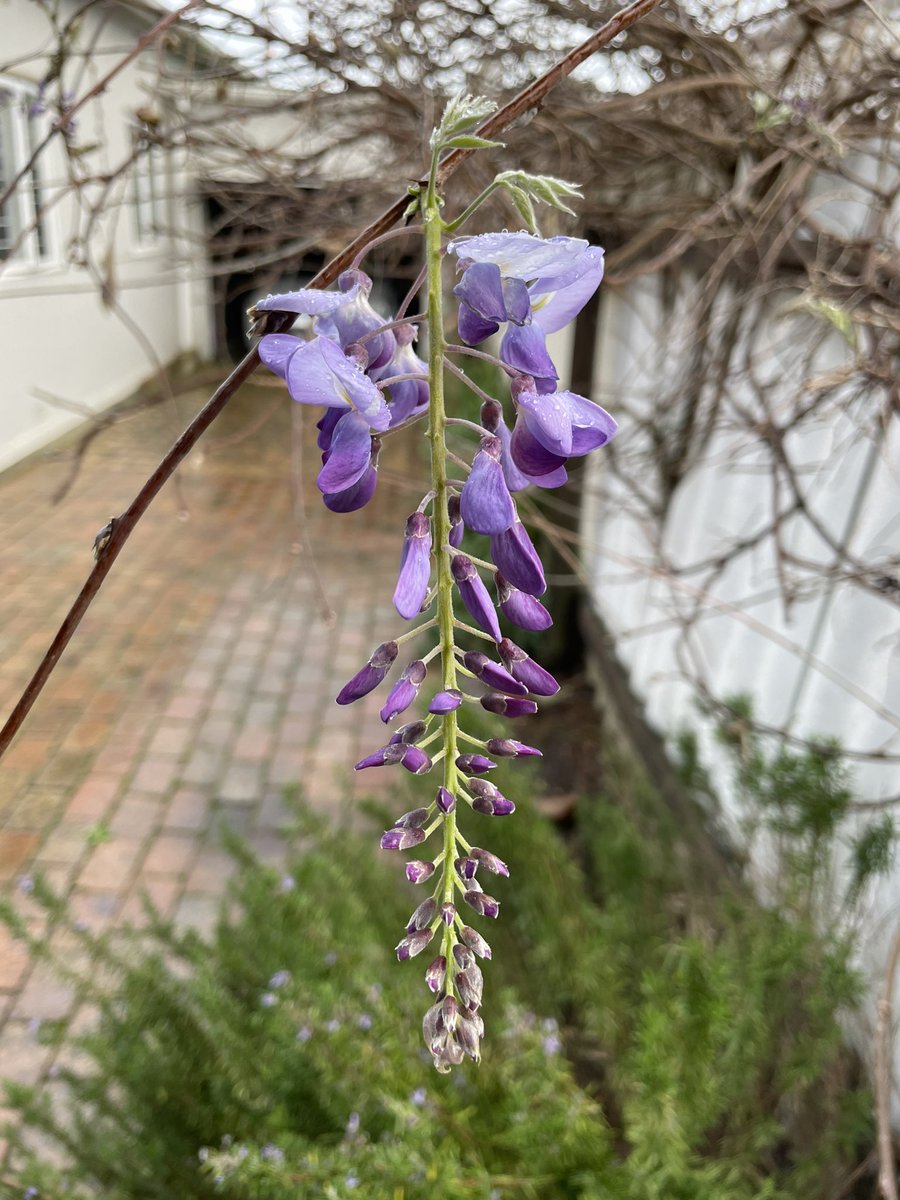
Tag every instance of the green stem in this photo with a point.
(476, 204)
(437, 421)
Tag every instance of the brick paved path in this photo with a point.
(201, 682)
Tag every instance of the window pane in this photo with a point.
(9, 212)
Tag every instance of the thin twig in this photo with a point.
(531, 97)
(887, 1173)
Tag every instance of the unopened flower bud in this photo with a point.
(402, 839)
(463, 956)
(475, 941)
(509, 748)
(371, 675)
(492, 673)
(416, 761)
(413, 944)
(508, 706)
(423, 915)
(475, 595)
(404, 691)
(446, 701)
(466, 868)
(457, 528)
(523, 668)
(408, 734)
(414, 819)
(520, 608)
(449, 1012)
(418, 871)
(467, 1038)
(485, 859)
(436, 974)
(482, 903)
(474, 764)
(470, 985)
(448, 914)
(445, 801)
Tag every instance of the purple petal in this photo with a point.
(481, 290)
(402, 839)
(371, 674)
(532, 457)
(517, 559)
(415, 567)
(309, 302)
(523, 668)
(485, 503)
(517, 301)
(547, 418)
(416, 761)
(555, 301)
(325, 426)
(516, 480)
(521, 254)
(447, 701)
(508, 706)
(355, 317)
(492, 673)
(592, 426)
(445, 801)
(349, 454)
(457, 525)
(474, 764)
(520, 608)
(473, 330)
(320, 373)
(355, 497)
(275, 349)
(475, 595)
(509, 748)
(523, 347)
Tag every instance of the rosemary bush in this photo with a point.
(647, 1044)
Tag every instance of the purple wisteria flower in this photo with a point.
(485, 503)
(404, 691)
(415, 567)
(371, 675)
(475, 595)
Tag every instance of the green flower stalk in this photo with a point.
(363, 370)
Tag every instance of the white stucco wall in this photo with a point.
(56, 334)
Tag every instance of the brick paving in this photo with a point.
(202, 681)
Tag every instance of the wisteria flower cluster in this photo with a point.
(361, 368)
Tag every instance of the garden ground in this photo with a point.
(202, 680)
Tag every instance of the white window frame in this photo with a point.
(26, 208)
(149, 187)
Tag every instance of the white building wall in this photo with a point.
(66, 353)
(828, 663)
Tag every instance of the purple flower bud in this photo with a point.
(470, 985)
(485, 504)
(418, 871)
(457, 526)
(491, 415)
(432, 1026)
(416, 761)
(475, 595)
(523, 668)
(445, 801)
(463, 957)
(508, 748)
(468, 1039)
(520, 608)
(387, 756)
(416, 818)
(489, 801)
(474, 764)
(475, 941)
(448, 914)
(508, 706)
(413, 944)
(372, 673)
(492, 673)
(408, 734)
(515, 555)
(436, 974)
(415, 567)
(466, 868)
(402, 839)
(490, 861)
(449, 1013)
(446, 701)
(404, 691)
(423, 916)
(484, 905)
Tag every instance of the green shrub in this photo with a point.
(639, 1044)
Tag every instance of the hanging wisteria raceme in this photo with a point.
(361, 368)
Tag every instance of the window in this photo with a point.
(23, 227)
(149, 185)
